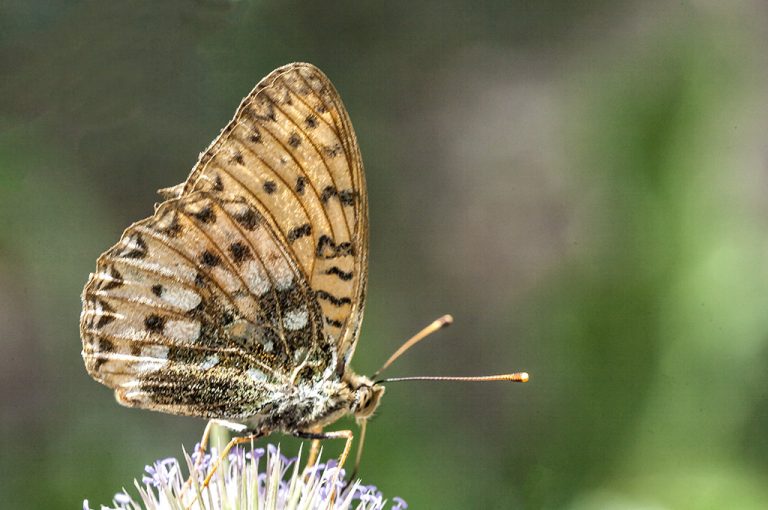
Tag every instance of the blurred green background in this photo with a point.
(581, 184)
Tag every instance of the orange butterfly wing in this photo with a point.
(291, 147)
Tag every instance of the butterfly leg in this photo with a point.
(314, 451)
(232, 443)
(338, 434)
(200, 454)
(359, 454)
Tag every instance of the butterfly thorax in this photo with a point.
(315, 404)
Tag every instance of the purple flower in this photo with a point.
(243, 481)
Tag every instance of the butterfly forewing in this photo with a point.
(195, 305)
(251, 275)
(291, 147)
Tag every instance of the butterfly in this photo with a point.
(241, 298)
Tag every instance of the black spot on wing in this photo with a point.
(107, 316)
(301, 184)
(347, 197)
(139, 249)
(205, 215)
(328, 249)
(157, 290)
(227, 318)
(333, 322)
(343, 275)
(270, 187)
(299, 232)
(240, 252)
(154, 323)
(249, 219)
(210, 259)
(267, 112)
(287, 99)
(328, 193)
(334, 300)
(173, 229)
(325, 247)
(105, 347)
(237, 157)
(332, 151)
(116, 280)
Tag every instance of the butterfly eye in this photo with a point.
(362, 399)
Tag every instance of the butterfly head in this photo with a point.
(366, 396)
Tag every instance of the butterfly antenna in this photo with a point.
(515, 377)
(437, 325)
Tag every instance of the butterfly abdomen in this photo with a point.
(305, 406)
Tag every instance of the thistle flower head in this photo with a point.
(250, 480)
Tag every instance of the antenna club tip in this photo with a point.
(521, 377)
(445, 320)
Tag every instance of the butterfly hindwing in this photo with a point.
(198, 310)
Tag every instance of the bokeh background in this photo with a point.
(583, 185)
